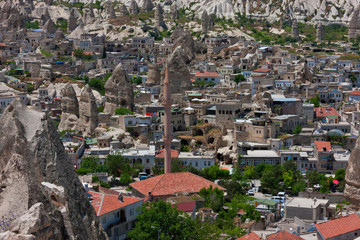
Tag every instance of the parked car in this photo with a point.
(251, 192)
(143, 176)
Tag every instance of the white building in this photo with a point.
(197, 160)
(117, 214)
(145, 156)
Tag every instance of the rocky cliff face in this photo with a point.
(40, 195)
(118, 91)
(352, 177)
(179, 75)
(70, 108)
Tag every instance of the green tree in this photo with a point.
(340, 174)
(214, 198)
(214, 172)
(32, 25)
(288, 179)
(123, 111)
(315, 101)
(271, 178)
(93, 163)
(313, 177)
(239, 78)
(290, 165)
(125, 178)
(79, 53)
(117, 165)
(159, 219)
(297, 130)
(249, 172)
(234, 187)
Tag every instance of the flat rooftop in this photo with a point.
(306, 202)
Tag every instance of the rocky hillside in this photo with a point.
(41, 196)
(333, 11)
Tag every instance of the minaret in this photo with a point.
(167, 122)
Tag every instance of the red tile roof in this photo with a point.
(207, 74)
(170, 183)
(185, 206)
(105, 203)
(356, 93)
(250, 236)
(161, 153)
(2, 45)
(283, 235)
(241, 212)
(262, 70)
(324, 112)
(339, 226)
(323, 146)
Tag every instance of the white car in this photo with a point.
(251, 192)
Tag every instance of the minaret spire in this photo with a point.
(167, 122)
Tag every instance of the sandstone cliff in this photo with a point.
(39, 187)
(352, 177)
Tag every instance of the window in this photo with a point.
(147, 160)
(131, 211)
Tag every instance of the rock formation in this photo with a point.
(207, 22)
(295, 29)
(320, 34)
(354, 25)
(49, 27)
(110, 10)
(41, 195)
(184, 39)
(352, 176)
(174, 13)
(153, 76)
(204, 22)
(123, 10)
(118, 91)
(147, 6)
(89, 16)
(69, 107)
(45, 17)
(88, 113)
(134, 8)
(159, 18)
(72, 21)
(59, 36)
(179, 74)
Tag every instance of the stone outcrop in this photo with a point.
(207, 22)
(72, 21)
(45, 17)
(153, 76)
(41, 196)
(184, 39)
(88, 113)
(147, 6)
(110, 10)
(354, 25)
(134, 7)
(70, 108)
(49, 27)
(320, 33)
(174, 12)
(89, 16)
(352, 176)
(179, 74)
(123, 10)
(118, 91)
(295, 29)
(159, 18)
(59, 36)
